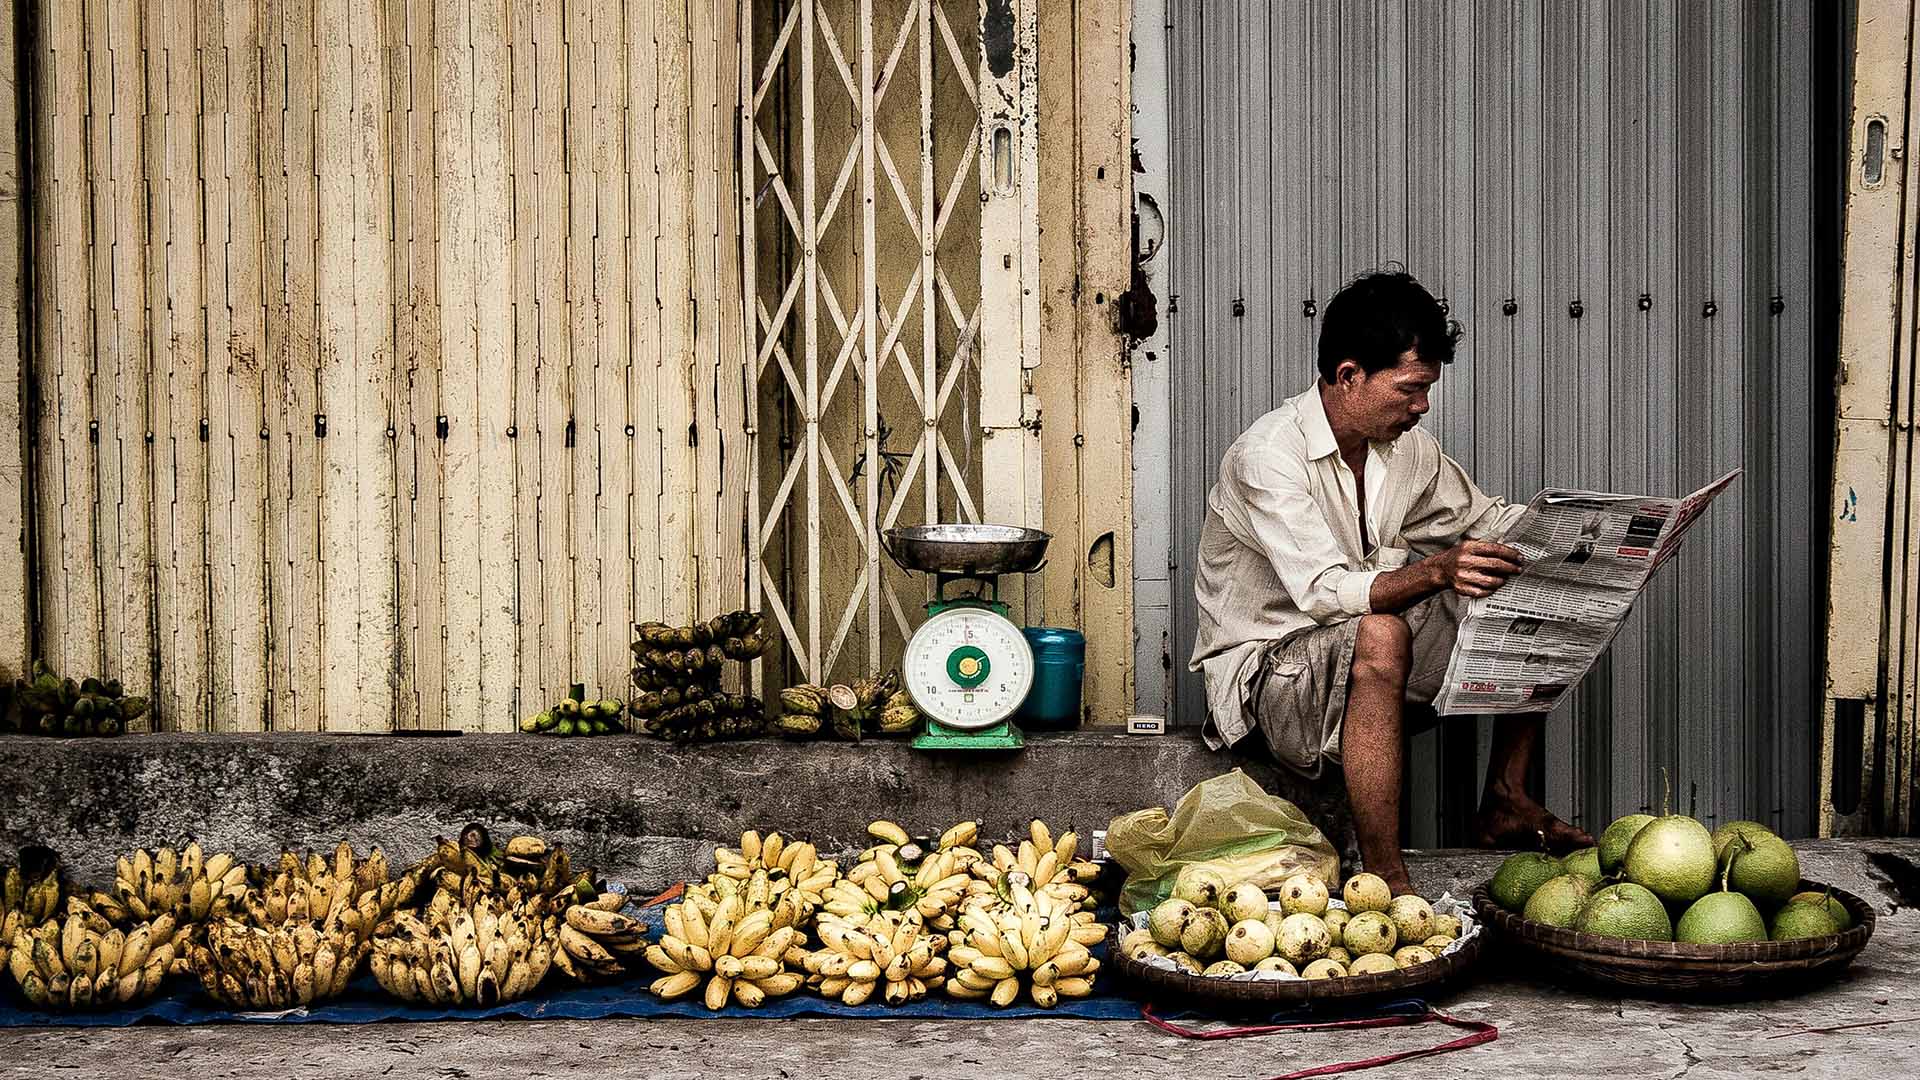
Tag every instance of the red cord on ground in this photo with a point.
(1478, 1032)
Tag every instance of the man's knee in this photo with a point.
(1382, 651)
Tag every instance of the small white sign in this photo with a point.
(1146, 725)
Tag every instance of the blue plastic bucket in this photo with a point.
(1060, 666)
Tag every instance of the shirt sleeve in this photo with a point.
(1269, 507)
(1451, 508)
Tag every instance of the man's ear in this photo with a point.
(1347, 373)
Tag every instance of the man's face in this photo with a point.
(1390, 402)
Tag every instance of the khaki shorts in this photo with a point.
(1298, 697)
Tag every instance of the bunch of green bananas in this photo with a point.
(30, 894)
(84, 961)
(575, 715)
(338, 893)
(295, 963)
(489, 949)
(803, 711)
(872, 705)
(677, 655)
(596, 942)
(677, 673)
(702, 715)
(50, 705)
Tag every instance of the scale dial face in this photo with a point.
(968, 668)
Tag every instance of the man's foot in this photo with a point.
(1392, 870)
(1524, 824)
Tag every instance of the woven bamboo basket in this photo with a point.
(1666, 968)
(1179, 988)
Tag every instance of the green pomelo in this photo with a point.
(1673, 858)
(1721, 918)
(1626, 911)
(1842, 918)
(1803, 920)
(1764, 867)
(1585, 862)
(1736, 828)
(1558, 902)
(1516, 879)
(1613, 842)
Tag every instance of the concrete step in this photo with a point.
(635, 808)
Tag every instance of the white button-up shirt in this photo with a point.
(1281, 549)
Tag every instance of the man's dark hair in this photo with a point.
(1378, 316)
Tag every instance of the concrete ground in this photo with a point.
(1545, 1031)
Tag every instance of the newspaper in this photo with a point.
(1588, 555)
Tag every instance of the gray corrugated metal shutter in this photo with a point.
(1616, 199)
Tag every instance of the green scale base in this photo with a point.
(938, 736)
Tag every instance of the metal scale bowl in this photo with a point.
(968, 667)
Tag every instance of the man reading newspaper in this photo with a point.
(1338, 544)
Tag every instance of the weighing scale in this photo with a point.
(968, 667)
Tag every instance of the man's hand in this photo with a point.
(1475, 567)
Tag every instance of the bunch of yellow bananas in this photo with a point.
(770, 869)
(494, 949)
(932, 887)
(1050, 866)
(30, 894)
(85, 962)
(891, 952)
(959, 838)
(338, 893)
(926, 875)
(243, 966)
(740, 952)
(1033, 939)
(597, 942)
(187, 884)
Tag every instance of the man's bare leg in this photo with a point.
(1371, 748)
(1509, 817)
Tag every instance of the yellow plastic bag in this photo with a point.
(1228, 822)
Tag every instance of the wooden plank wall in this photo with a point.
(14, 611)
(389, 351)
(1084, 376)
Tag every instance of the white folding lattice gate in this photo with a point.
(888, 204)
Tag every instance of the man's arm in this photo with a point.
(1452, 508)
(1471, 568)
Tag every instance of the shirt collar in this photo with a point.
(1319, 431)
(1313, 421)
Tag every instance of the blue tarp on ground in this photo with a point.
(183, 1002)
